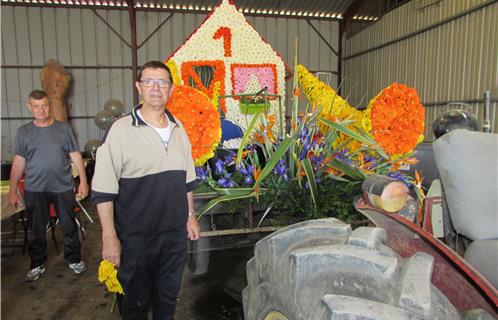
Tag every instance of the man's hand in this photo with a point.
(16, 173)
(82, 190)
(193, 228)
(111, 249)
(80, 168)
(14, 199)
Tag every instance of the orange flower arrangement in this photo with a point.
(267, 129)
(188, 72)
(396, 119)
(200, 119)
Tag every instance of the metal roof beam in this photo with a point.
(155, 30)
(349, 13)
(322, 37)
(111, 28)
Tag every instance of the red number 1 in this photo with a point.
(226, 33)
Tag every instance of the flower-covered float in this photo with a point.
(226, 57)
(316, 169)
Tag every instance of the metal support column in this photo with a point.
(134, 47)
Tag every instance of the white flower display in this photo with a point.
(232, 143)
(226, 36)
(252, 85)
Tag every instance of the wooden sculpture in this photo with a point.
(55, 81)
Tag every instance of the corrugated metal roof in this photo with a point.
(324, 9)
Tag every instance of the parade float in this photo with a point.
(272, 175)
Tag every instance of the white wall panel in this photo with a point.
(49, 33)
(77, 37)
(36, 44)
(455, 61)
(74, 37)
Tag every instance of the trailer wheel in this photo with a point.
(321, 269)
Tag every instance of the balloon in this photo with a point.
(91, 147)
(454, 119)
(115, 106)
(104, 119)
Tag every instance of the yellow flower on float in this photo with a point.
(333, 106)
(173, 68)
(321, 95)
(216, 95)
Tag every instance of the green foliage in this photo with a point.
(289, 199)
(236, 206)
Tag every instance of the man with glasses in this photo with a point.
(143, 187)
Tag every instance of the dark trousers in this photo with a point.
(38, 215)
(151, 271)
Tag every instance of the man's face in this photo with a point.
(155, 87)
(40, 109)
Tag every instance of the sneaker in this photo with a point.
(35, 273)
(78, 267)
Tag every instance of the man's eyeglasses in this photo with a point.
(160, 82)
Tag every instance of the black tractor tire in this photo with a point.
(321, 269)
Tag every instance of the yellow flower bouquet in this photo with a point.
(108, 275)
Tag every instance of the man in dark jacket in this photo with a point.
(143, 187)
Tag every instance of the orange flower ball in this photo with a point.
(397, 119)
(200, 119)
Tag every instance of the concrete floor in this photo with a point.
(59, 294)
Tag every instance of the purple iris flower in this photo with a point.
(248, 180)
(243, 171)
(246, 171)
(303, 135)
(344, 157)
(281, 170)
(317, 161)
(226, 182)
(370, 161)
(399, 176)
(219, 167)
(395, 175)
(250, 147)
(201, 173)
(343, 153)
(280, 167)
(304, 151)
(250, 169)
(228, 158)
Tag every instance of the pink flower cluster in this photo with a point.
(266, 74)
